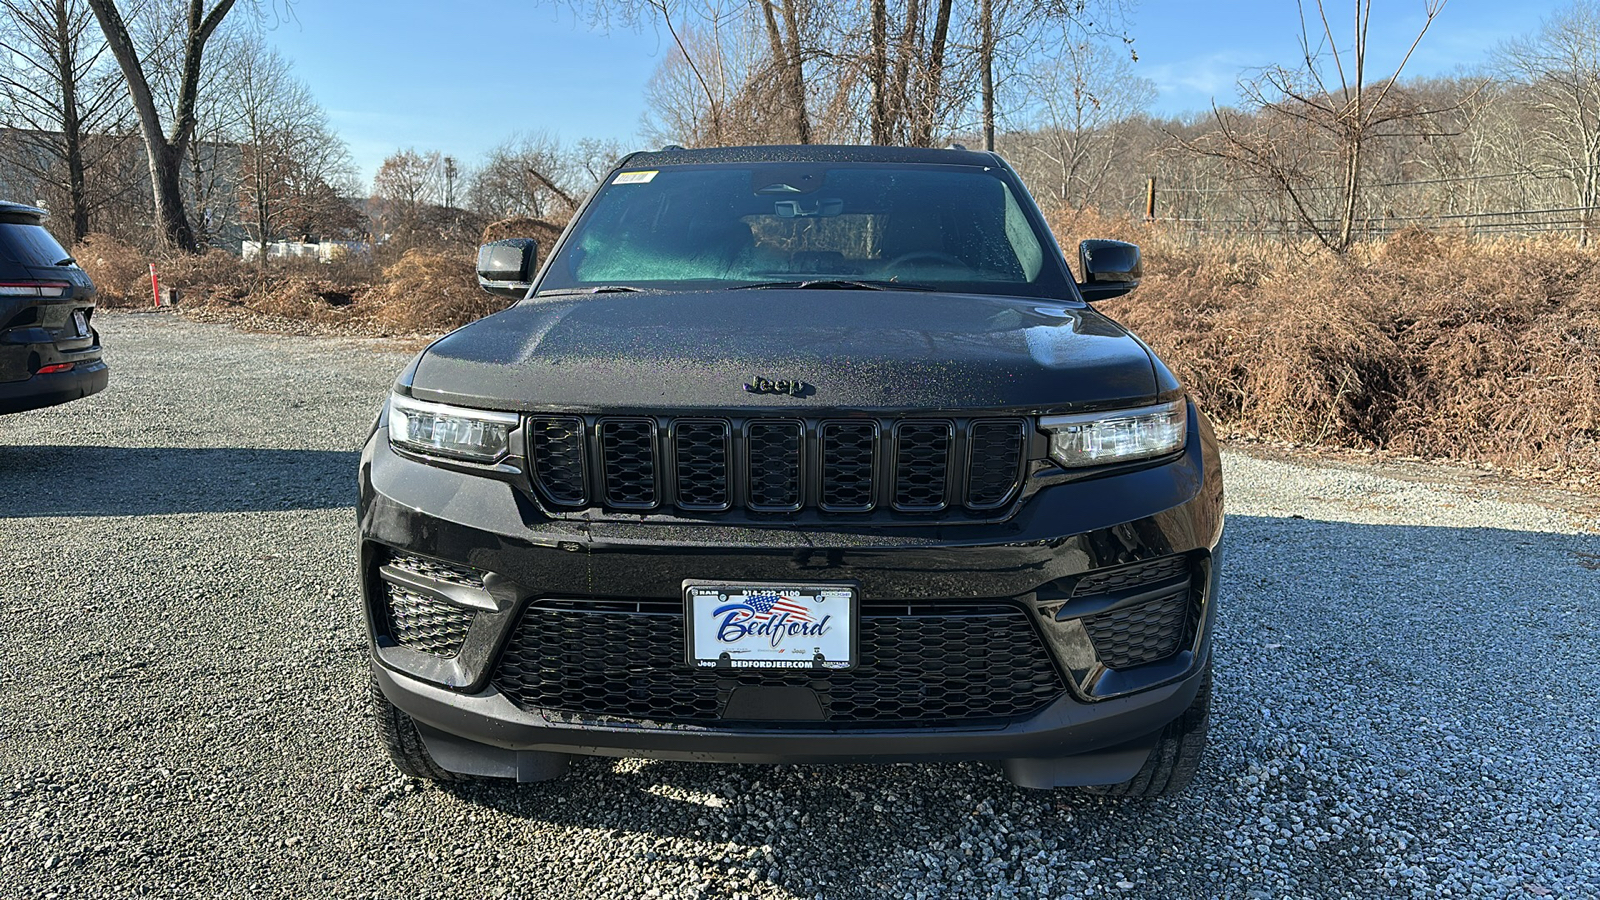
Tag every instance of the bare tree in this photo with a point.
(788, 59)
(293, 165)
(1305, 115)
(214, 161)
(913, 75)
(1009, 37)
(165, 150)
(592, 159)
(406, 186)
(888, 71)
(986, 52)
(1079, 99)
(1558, 68)
(521, 177)
(537, 176)
(65, 105)
(717, 87)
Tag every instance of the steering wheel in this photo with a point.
(937, 256)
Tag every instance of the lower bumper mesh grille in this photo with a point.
(1136, 635)
(1146, 632)
(421, 622)
(919, 665)
(438, 571)
(425, 624)
(1104, 581)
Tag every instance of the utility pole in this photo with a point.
(986, 63)
(449, 182)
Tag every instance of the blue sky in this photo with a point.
(461, 77)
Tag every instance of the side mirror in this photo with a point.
(1110, 269)
(505, 268)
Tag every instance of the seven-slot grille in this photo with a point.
(837, 466)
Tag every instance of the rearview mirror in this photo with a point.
(1110, 269)
(826, 207)
(505, 268)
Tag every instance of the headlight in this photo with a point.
(1093, 439)
(451, 431)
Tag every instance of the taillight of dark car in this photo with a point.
(34, 289)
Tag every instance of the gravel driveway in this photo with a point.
(1407, 675)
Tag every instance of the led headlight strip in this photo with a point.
(452, 432)
(1094, 439)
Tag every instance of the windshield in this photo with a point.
(959, 228)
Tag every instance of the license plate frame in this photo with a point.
(832, 605)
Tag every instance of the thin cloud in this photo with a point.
(1193, 83)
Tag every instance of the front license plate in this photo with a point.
(770, 626)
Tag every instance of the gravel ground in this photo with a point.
(1406, 670)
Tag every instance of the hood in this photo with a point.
(857, 350)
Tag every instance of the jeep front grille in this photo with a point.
(838, 467)
(994, 453)
(628, 463)
(700, 451)
(922, 465)
(849, 464)
(557, 448)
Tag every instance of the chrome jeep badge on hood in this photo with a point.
(759, 385)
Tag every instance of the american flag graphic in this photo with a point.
(769, 606)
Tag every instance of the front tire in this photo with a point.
(398, 733)
(1176, 758)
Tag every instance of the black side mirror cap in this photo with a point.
(1110, 269)
(505, 268)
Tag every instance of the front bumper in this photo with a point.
(1099, 730)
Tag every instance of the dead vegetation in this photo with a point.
(121, 272)
(424, 291)
(428, 291)
(1423, 345)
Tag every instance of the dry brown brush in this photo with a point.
(425, 291)
(1425, 344)
(120, 271)
(428, 291)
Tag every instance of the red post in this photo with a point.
(155, 286)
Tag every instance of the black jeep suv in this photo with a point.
(795, 454)
(49, 353)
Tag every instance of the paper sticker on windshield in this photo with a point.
(633, 177)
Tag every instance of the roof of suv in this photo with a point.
(808, 153)
(21, 213)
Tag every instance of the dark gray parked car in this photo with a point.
(49, 351)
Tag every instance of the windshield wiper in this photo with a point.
(601, 289)
(834, 284)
